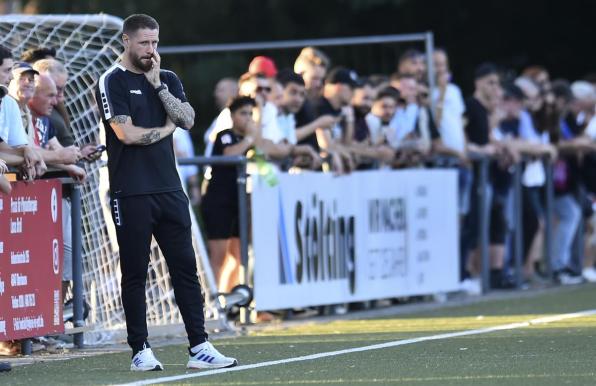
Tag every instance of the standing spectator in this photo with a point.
(57, 71)
(263, 65)
(258, 87)
(22, 88)
(312, 64)
(14, 144)
(225, 89)
(41, 105)
(450, 109)
(413, 125)
(336, 99)
(411, 62)
(220, 202)
(293, 96)
(381, 114)
(479, 108)
(571, 144)
(366, 145)
(4, 183)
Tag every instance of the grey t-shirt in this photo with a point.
(63, 132)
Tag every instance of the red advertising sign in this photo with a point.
(31, 260)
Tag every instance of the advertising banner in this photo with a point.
(320, 239)
(31, 260)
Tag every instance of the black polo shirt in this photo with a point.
(137, 169)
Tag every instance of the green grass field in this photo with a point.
(557, 353)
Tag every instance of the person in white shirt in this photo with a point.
(14, 148)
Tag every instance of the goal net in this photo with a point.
(88, 45)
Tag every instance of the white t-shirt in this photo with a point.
(375, 128)
(11, 125)
(402, 124)
(221, 123)
(591, 129)
(184, 149)
(287, 125)
(534, 174)
(451, 127)
(269, 126)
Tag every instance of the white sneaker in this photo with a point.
(471, 286)
(207, 357)
(589, 273)
(144, 360)
(566, 278)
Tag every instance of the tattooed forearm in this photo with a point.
(119, 119)
(149, 138)
(182, 114)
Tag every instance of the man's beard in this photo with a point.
(143, 66)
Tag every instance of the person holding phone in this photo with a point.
(141, 105)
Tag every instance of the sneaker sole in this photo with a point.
(156, 368)
(190, 365)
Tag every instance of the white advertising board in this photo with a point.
(321, 239)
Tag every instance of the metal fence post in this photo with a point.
(484, 223)
(518, 223)
(429, 44)
(548, 217)
(26, 347)
(77, 264)
(243, 228)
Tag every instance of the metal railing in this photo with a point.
(518, 235)
(240, 163)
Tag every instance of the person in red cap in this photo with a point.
(263, 65)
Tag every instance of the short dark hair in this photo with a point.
(485, 69)
(4, 54)
(135, 22)
(562, 89)
(388, 92)
(287, 76)
(409, 54)
(363, 82)
(513, 92)
(240, 101)
(32, 55)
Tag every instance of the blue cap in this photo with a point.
(20, 67)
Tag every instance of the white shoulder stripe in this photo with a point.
(105, 103)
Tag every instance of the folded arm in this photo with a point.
(130, 134)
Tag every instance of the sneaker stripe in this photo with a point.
(211, 359)
(201, 357)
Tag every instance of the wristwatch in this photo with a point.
(162, 86)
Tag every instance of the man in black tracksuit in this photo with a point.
(141, 105)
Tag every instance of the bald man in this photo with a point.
(41, 105)
(59, 116)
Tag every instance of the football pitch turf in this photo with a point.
(445, 346)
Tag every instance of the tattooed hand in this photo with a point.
(153, 74)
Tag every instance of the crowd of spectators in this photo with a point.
(322, 117)
(35, 134)
(327, 118)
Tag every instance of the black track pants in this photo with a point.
(166, 217)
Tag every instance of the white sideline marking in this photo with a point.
(510, 326)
